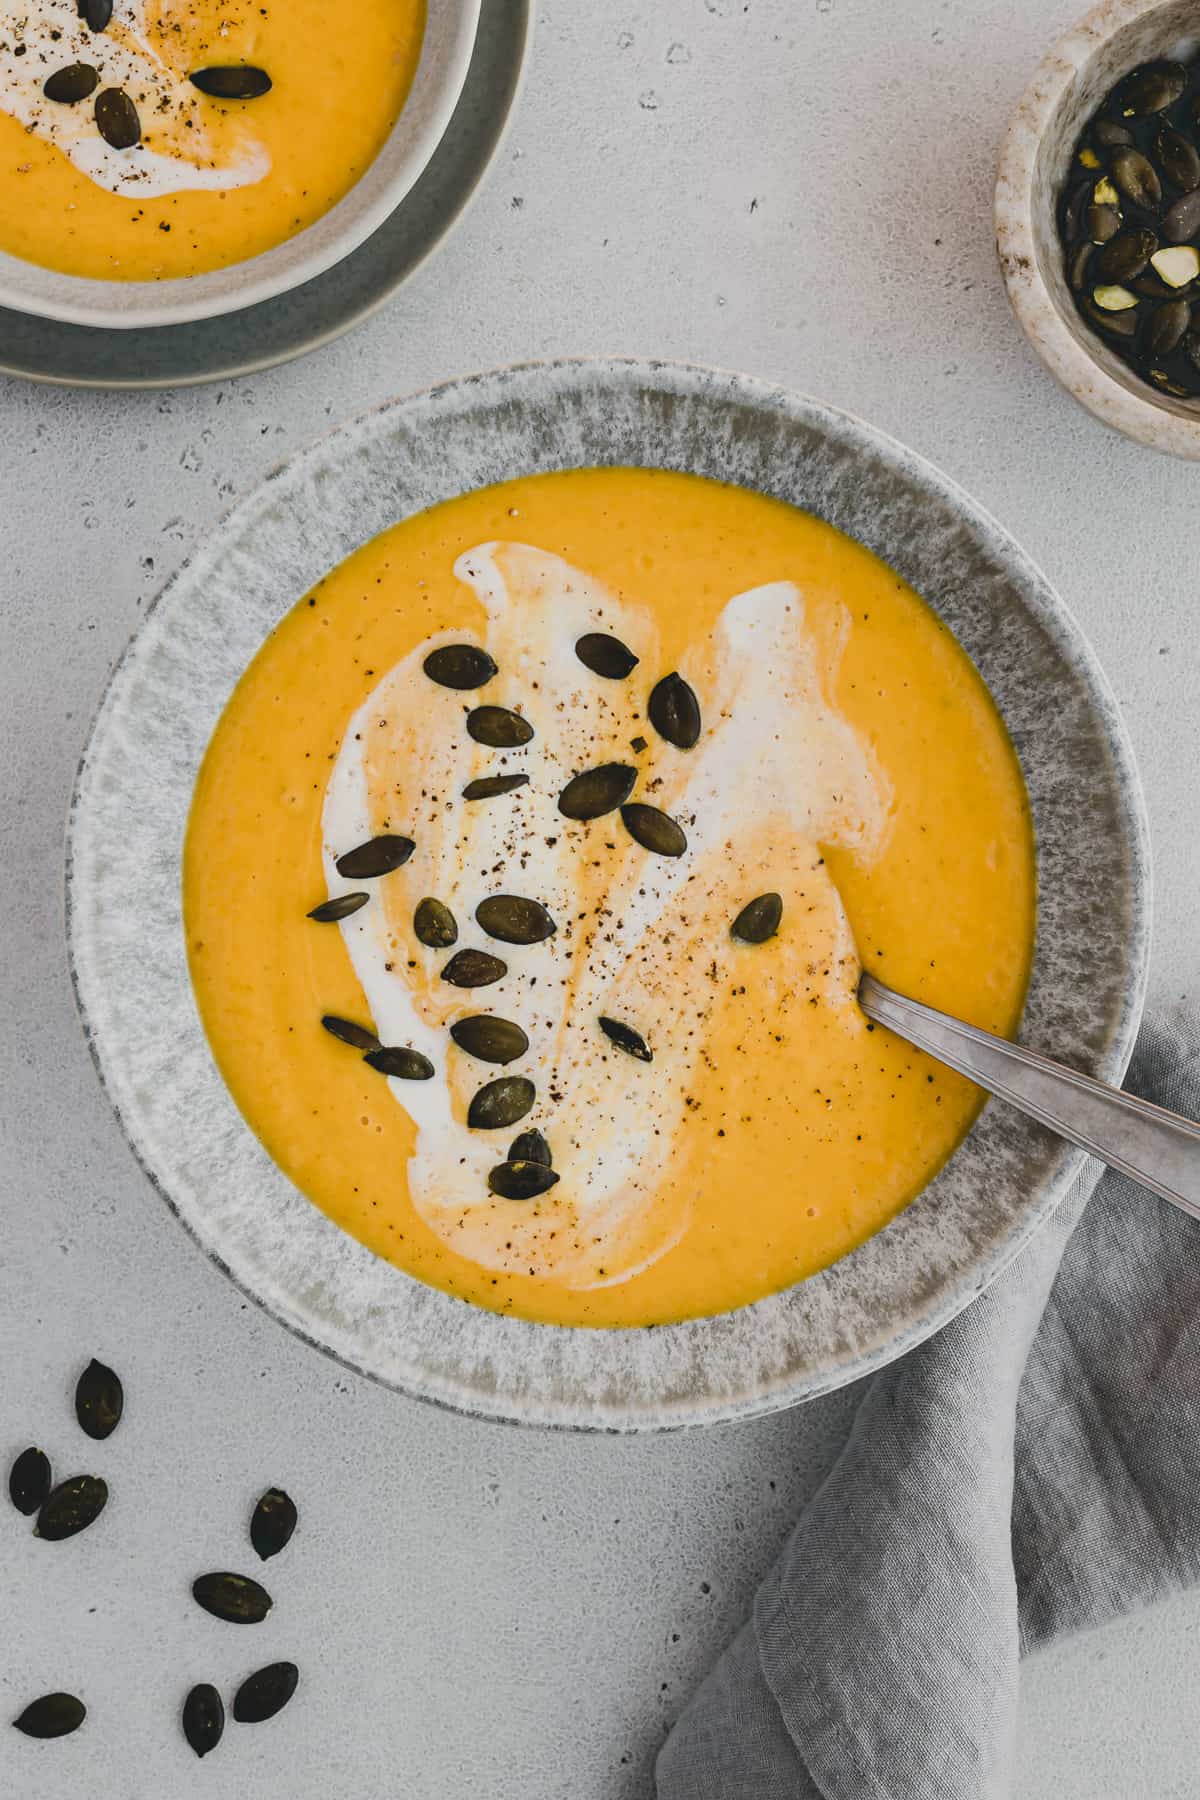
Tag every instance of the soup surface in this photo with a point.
(736, 1125)
(209, 181)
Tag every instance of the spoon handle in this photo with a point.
(1157, 1148)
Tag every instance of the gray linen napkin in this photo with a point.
(1030, 1471)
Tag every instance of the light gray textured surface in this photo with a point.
(797, 187)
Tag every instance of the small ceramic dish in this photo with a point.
(126, 305)
(1070, 83)
(129, 958)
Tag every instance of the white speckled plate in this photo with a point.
(130, 967)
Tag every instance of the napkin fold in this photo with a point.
(1030, 1471)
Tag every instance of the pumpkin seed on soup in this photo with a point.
(70, 85)
(348, 1032)
(674, 711)
(530, 1146)
(460, 666)
(488, 786)
(236, 81)
(489, 1039)
(117, 119)
(400, 1062)
(758, 919)
(498, 727)
(514, 919)
(605, 655)
(434, 925)
(97, 13)
(378, 856)
(654, 830)
(521, 1180)
(473, 968)
(501, 1102)
(597, 791)
(626, 1038)
(330, 911)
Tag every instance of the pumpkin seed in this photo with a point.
(518, 1180)
(1103, 223)
(29, 1480)
(99, 1400)
(1126, 255)
(1120, 324)
(97, 13)
(1177, 157)
(401, 1062)
(53, 1716)
(203, 1718)
(490, 785)
(501, 1102)
(378, 856)
(605, 655)
(1178, 265)
(69, 85)
(473, 968)
(674, 711)
(1150, 89)
(1114, 299)
(330, 911)
(498, 727)
(237, 1599)
(490, 1039)
(1134, 175)
(653, 830)
(1108, 134)
(515, 920)
(272, 1523)
(1182, 220)
(435, 925)
(1152, 286)
(236, 82)
(265, 1693)
(459, 666)
(1075, 209)
(758, 919)
(117, 119)
(349, 1033)
(627, 1039)
(1080, 258)
(71, 1507)
(597, 791)
(530, 1146)
(1167, 326)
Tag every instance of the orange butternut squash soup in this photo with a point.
(146, 139)
(530, 873)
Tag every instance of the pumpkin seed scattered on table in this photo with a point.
(237, 81)
(488, 786)
(1129, 219)
(674, 710)
(378, 856)
(272, 1523)
(53, 1716)
(29, 1480)
(605, 655)
(501, 1102)
(75, 82)
(460, 666)
(117, 119)
(265, 1693)
(597, 791)
(99, 1400)
(514, 919)
(490, 1039)
(758, 919)
(349, 1033)
(654, 830)
(71, 1507)
(203, 1718)
(238, 1599)
(530, 1146)
(435, 925)
(400, 1061)
(473, 968)
(330, 911)
(626, 1038)
(517, 1180)
(499, 728)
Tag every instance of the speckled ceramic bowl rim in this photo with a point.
(1089, 371)
(125, 834)
(445, 58)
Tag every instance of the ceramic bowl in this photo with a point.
(1069, 84)
(125, 305)
(130, 965)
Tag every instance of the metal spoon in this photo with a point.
(1157, 1148)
